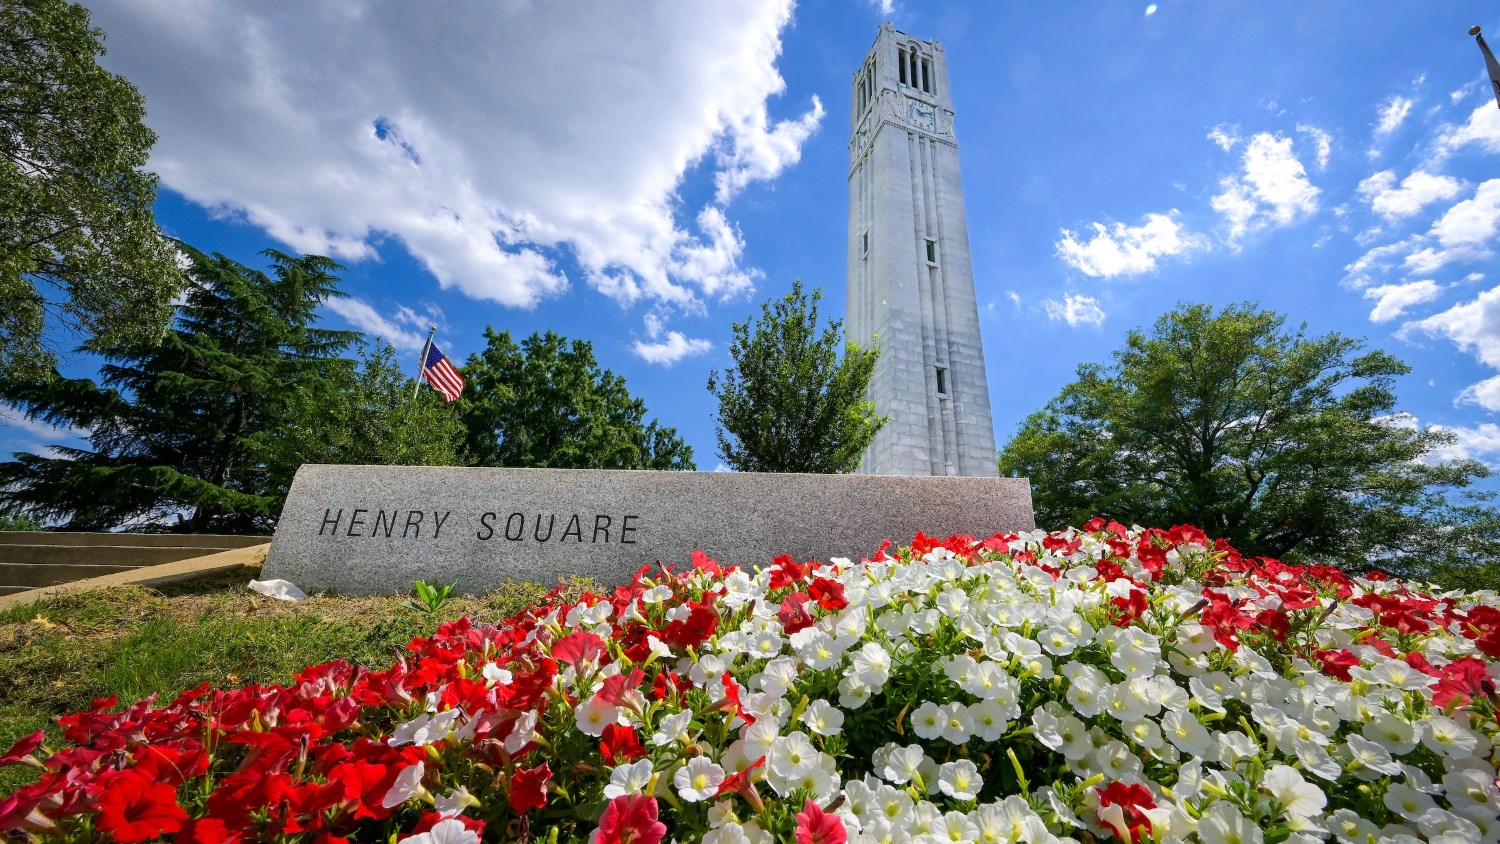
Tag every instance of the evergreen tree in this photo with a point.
(546, 403)
(790, 404)
(79, 245)
(1287, 446)
(185, 432)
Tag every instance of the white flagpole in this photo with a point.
(422, 364)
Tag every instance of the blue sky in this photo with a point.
(641, 175)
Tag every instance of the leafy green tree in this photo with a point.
(546, 403)
(188, 428)
(367, 414)
(79, 245)
(18, 521)
(1286, 445)
(789, 404)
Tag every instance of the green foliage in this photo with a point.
(430, 599)
(191, 427)
(546, 403)
(18, 521)
(366, 414)
(790, 404)
(1285, 445)
(79, 245)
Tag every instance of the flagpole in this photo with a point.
(422, 363)
(1490, 64)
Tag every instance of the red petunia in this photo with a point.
(578, 647)
(631, 819)
(133, 807)
(1337, 663)
(528, 788)
(785, 571)
(793, 614)
(364, 785)
(828, 593)
(620, 744)
(21, 749)
(1122, 809)
(815, 826)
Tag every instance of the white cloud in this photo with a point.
(670, 350)
(1482, 129)
(1014, 297)
(1270, 190)
(482, 139)
(1118, 249)
(1463, 232)
(1394, 299)
(885, 7)
(1481, 443)
(363, 316)
(1392, 114)
(1362, 271)
(1225, 136)
(1322, 142)
(1474, 326)
(12, 418)
(1486, 394)
(1075, 310)
(1414, 193)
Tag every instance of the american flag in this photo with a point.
(440, 374)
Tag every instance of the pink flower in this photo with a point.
(814, 826)
(631, 819)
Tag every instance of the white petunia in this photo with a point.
(871, 665)
(522, 733)
(900, 764)
(1297, 796)
(959, 779)
(1407, 801)
(450, 831)
(594, 715)
(823, 718)
(1448, 738)
(987, 720)
(408, 784)
(672, 728)
(698, 780)
(495, 674)
(1186, 733)
(928, 721)
(1223, 824)
(629, 779)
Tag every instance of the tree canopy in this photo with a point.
(790, 403)
(189, 433)
(547, 403)
(79, 247)
(1286, 445)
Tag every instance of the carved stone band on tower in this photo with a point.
(910, 281)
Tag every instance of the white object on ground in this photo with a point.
(282, 590)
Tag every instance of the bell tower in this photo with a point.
(910, 280)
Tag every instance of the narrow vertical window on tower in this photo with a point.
(931, 251)
(926, 86)
(901, 60)
(867, 244)
(912, 57)
(942, 381)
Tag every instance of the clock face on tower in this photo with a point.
(922, 117)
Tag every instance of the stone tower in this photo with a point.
(910, 281)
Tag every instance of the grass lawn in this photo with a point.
(58, 654)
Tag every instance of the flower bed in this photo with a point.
(1095, 685)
